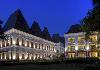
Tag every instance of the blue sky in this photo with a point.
(57, 15)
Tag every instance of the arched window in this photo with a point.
(27, 43)
(22, 42)
(35, 45)
(39, 46)
(17, 43)
(7, 43)
(11, 41)
(31, 44)
(53, 48)
(42, 46)
(47, 47)
(0, 43)
(3, 44)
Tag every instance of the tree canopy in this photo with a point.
(46, 34)
(17, 20)
(75, 29)
(35, 29)
(57, 38)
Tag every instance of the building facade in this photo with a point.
(23, 46)
(77, 46)
(59, 48)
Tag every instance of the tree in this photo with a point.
(91, 22)
(35, 29)
(17, 21)
(46, 34)
(1, 30)
(75, 28)
(96, 2)
(2, 35)
(57, 38)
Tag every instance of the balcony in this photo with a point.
(81, 49)
(71, 43)
(71, 50)
(93, 48)
(81, 42)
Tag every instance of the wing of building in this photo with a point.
(77, 46)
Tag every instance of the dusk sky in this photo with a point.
(57, 15)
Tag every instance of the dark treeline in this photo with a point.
(91, 22)
(16, 20)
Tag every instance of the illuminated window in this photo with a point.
(71, 40)
(14, 42)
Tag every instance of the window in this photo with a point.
(35, 45)
(17, 41)
(42, 46)
(71, 40)
(39, 46)
(27, 43)
(22, 42)
(31, 44)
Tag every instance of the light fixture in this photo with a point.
(96, 54)
(14, 57)
(1, 57)
(34, 57)
(14, 42)
(76, 48)
(30, 57)
(20, 43)
(20, 57)
(5, 56)
(87, 48)
(25, 56)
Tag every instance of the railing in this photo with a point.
(70, 49)
(71, 43)
(81, 49)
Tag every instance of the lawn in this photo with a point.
(69, 66)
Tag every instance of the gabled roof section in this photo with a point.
(17, 21)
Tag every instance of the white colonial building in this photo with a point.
(24, 46)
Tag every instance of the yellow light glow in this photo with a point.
(1, 45)
(25, 56)
(14, 42)
(30, 57)
(20, 43)
(14, 57)
(1, 57)
(96, 54)
(25, 44)
(30, 45)
(76, 48)
(34, 57)
(65, 49)
(5, 56)
(87, 48)
(20, 57)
